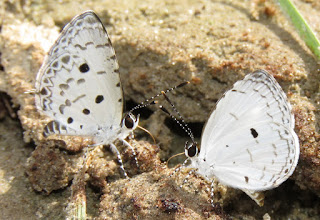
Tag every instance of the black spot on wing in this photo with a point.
(84, 68)
(99, 99)
(70, 120)
(43, 91)
(86, 111)
(254, 133)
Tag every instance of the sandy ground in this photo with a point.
(158, 44)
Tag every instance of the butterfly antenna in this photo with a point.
(182, 124)
(181, 121)
(151, 101)
(175, 156)
(148, 132)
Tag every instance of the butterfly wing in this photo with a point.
(78, 84)
(249, 140)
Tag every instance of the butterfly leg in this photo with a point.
(133, 151)
(85, 157)
(175, 171)
(179, 168)
(212, 192)
(115, 150)
(187, 177)
(94, 145)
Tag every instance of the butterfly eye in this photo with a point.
(191, 150)
(129, 121)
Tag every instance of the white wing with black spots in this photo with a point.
(249, 141)
(78, 85)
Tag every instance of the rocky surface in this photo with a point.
(158, 44)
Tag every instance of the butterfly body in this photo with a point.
(249, 141)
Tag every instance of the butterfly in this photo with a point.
(78, 85)
(248, 142)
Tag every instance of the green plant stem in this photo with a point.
(302, 26)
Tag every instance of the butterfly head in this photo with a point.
(130, 122)
(191, 149)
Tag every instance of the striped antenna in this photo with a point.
(181, 121)
(151, 101)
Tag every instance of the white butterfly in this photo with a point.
(79, 86)
(249, 141)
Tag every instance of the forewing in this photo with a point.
(78, 84)
(249, 139)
